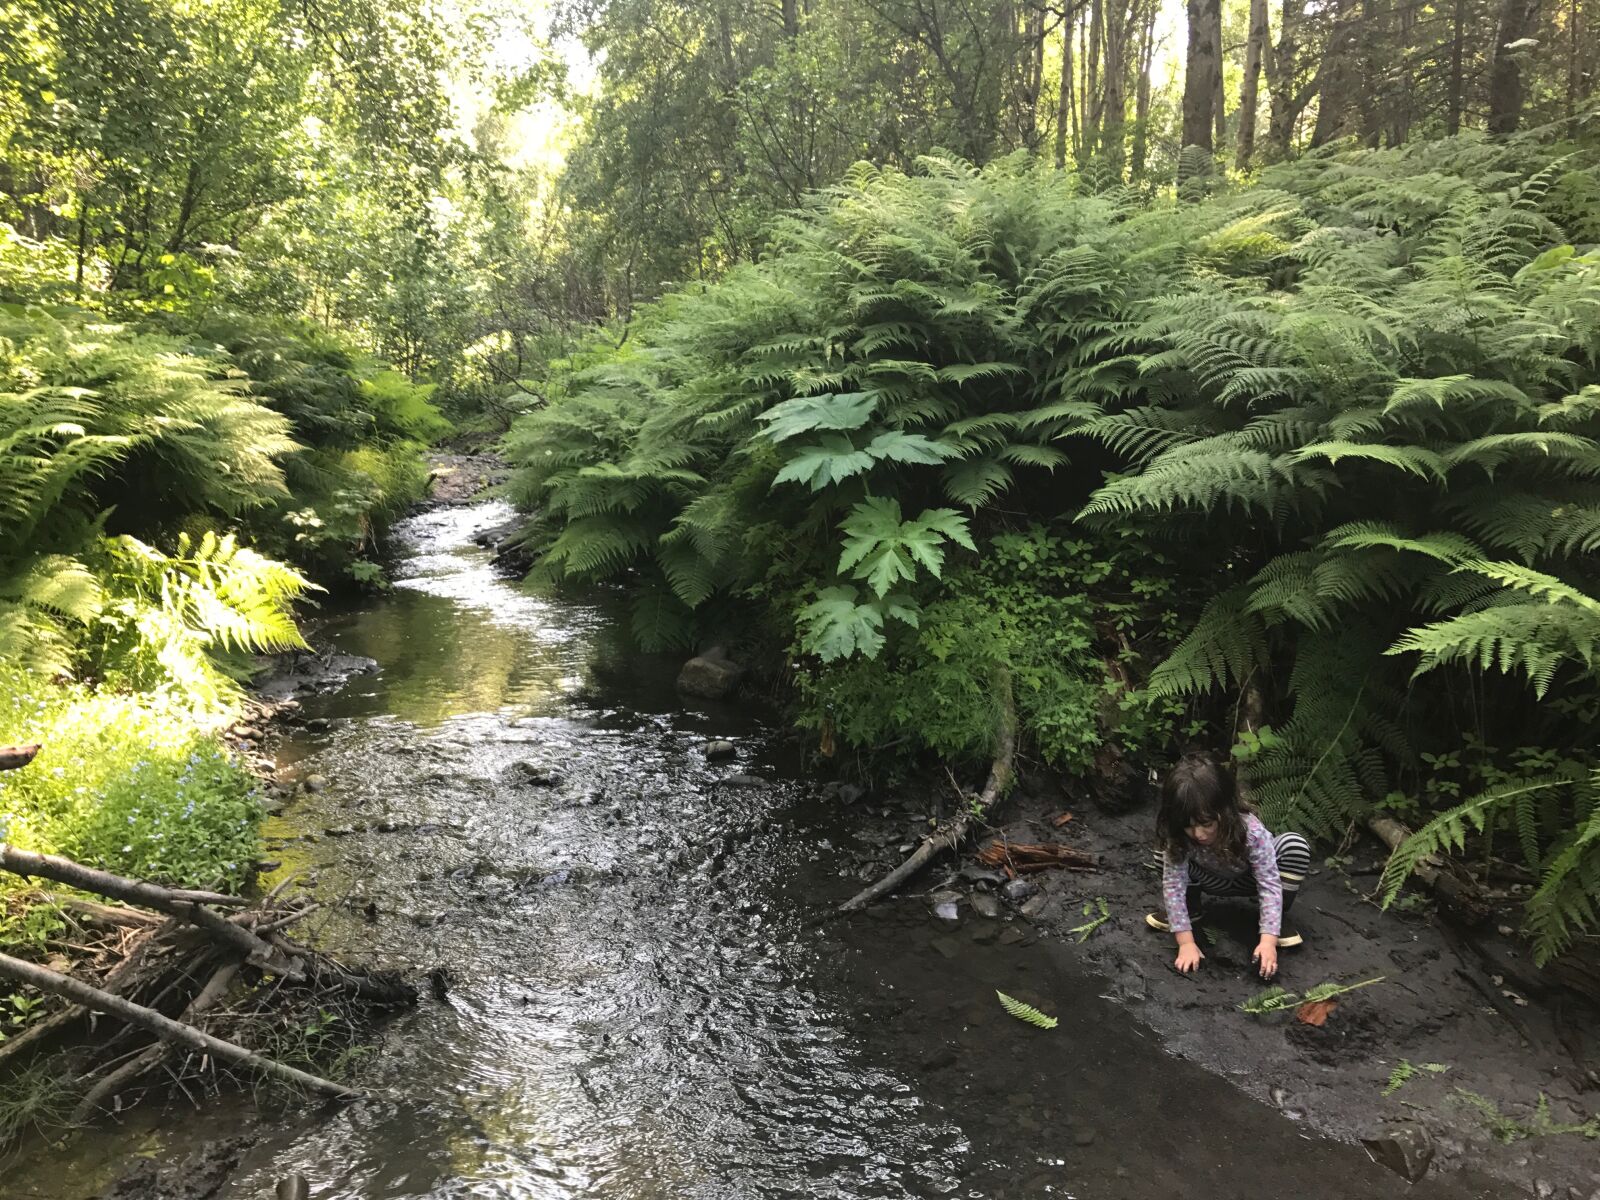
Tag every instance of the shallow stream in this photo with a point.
(644, 996)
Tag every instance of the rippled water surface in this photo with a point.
(644, 1000)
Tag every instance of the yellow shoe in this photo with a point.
(1156, 922)
(1288, 941)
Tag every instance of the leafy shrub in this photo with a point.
(1031, 607)
(131, 783)
(1354, 408)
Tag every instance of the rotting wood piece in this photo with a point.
(1022, 858)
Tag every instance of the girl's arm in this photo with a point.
(1264, 866)
(1175, 893)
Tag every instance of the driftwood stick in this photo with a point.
(287, 919)
(118, 916)
(950, 836)
(124, 973)
(15, 757)
(163, 1027)
(104, 883)
(152, 1057)
(375, 987)
(186, 905)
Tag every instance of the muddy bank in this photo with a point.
(1434, 1006)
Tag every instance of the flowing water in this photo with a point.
(644, 999)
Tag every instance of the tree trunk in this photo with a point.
(1064, 100)
(1199, 78)
(1094, 100)
(1341, 80)
(1249, 90)
(1401, 98)
(1458, 40)
(1113, 126)
(1219, 101)
(1282, 66)
(1507, 88)
(1141, 101)
(1371, 33)
(1032, 76)
(791, 18)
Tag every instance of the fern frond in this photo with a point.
(1026, 1012)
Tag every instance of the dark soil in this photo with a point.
(1434, 1005)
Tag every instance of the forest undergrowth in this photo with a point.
(1304, 467)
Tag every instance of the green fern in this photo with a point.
(1405, 1071)
(1026, 1012)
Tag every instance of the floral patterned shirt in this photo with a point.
(1262, 863)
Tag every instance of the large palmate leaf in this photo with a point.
(885, 550)
(830, 460)
(834, 457)
(809, 414)
(836, 627)
(896, 445)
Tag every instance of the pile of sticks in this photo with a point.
(189, 979)
(1024, 858)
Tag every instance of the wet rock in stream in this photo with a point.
(711, 675)
(1018, 890)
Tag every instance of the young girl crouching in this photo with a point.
(1211, 843)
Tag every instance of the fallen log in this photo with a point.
(33, 865)
(950, 836)
(1465, 902)
(163, 1027)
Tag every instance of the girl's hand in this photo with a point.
(1266, 955)
(1189, 956)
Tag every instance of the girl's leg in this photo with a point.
(1294, 860)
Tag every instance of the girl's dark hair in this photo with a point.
(1197, 790)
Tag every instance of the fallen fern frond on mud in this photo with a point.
(1095, 920)
(1406, 1070)
(1276, 999)
(1508, 1129)
(1025, 1012)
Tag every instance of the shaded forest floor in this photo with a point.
(1469, 1004)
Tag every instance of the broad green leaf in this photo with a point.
(828, 461)
(898, 446)
(834, 626)
(809, 414)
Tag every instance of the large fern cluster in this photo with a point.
(112, 442)
(884, 364)
(1396, 445)
(1355, 405)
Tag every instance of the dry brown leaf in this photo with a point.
(1061, 820)
(1315, 1012)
